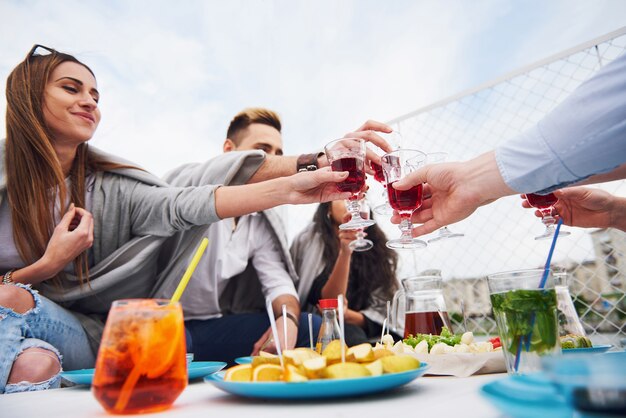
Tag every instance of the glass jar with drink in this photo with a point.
(422, 305)
(525, 309)
(141, 365)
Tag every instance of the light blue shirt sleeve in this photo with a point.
(583, 136)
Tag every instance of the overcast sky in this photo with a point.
(172, 74)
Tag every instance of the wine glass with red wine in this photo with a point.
(545, 205)
(348, 154)
(396, 165)
(361, 243)
(444, 232)
(384, 208)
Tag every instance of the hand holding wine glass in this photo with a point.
(545, 205)
(396, 165)
(443, 232)
(348, 154)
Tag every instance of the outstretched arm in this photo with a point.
(454, 191)
(308, 187)
(279, 166)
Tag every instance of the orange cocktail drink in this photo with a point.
(141, 365)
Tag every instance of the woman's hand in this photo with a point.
(346, 236)
(72, 236)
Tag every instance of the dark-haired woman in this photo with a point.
(84, 228)
(328, 267)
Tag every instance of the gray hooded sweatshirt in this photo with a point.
(134, 212)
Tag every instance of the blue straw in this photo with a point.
(546, 269)
(542, 284)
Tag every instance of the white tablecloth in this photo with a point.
(425, 397)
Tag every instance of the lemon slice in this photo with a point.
(267, 373)
(239, 373)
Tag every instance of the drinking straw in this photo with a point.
(137, 370)
(542, 284)
(190, 269)
(382, 334)
(285, 323)
(311, 330)
(341, 332)
(388, 312)
(270, 313)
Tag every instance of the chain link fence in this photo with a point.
(500, 236)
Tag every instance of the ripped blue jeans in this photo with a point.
(47, 326)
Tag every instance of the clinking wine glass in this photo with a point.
(545, 205)
(360, 243)
(348, 154)
(396, 165)
(379, 176)
(444, 232)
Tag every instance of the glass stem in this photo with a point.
(405, 227)
(353, 208)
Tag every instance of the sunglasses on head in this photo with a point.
(40, 50)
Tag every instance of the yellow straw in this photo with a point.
(192, 266)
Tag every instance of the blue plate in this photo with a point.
(530, 396)
(316, 389)
(595, 349)
(198, 369)
(195, 370)
(243, 360)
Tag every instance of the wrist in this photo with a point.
(618, 214)
(292, 318)
(308, 162)
(483, 179)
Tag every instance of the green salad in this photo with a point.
(446, 337)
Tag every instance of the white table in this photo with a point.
(425, 397)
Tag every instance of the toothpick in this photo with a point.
(270, 313)
(311, 330)
(341, 331)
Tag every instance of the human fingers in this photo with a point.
(256, 348)
(411, 180)
(373, 137)
(67, 218)
(375, 126)
(425, 228)
(422, 215)
(85, 227)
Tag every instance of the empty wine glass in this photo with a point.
(348, 154)
(396, 165)
(360, 243)
(443, 232)
(545, 205)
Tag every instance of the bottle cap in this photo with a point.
(328, 303)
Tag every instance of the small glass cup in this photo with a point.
(525, 309)
(348, 154)
(141, 365)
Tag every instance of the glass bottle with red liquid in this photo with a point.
(545, 205)
(396, 165)
(348, 154)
